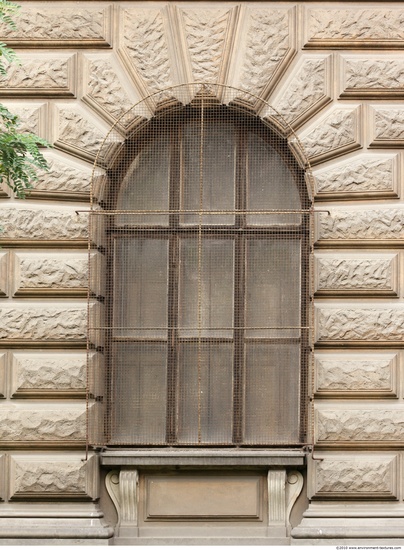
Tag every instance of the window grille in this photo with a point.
(200, 236)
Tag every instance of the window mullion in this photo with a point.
(239, 289)
(173, 295)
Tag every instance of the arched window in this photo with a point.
(207, 261)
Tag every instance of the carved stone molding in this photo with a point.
(356, 274)
(123, 488)
(48, 375)
(3, 373)
(386, 126)
(106, 90)
(355, 324)
(208, 33)
(306, 91)
(351, 476)
(267, 49)
(45, 425)
(359, 225)
(50, 274)
(372, 76)
(359, 426)
(4, 273)
(365, 176)
(336, 133)
(53, 26)
(53, 476)
(357, 375)
(40, 75)
(354, 27)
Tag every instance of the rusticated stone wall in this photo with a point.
(336, 74)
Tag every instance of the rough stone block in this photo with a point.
(387, 126)
(106, 91)
(43, 322)
(269, 47)
(58, 273)
(47, 424)
(359, 223)
(3, 367)
(50, 476)
(373, 274)
(338, 132)
(41, 75)
(78, 133)
(371, 323)
(356, 374)
(29, 223)
(33, 116)
(206, 31)
(44, 374)
(306, 91)
(377, 425)
(4, 282)
(354, 27)
(366, 176)
(372, 76)
(66, 179)
(64, 26)
(145, 49)
(351, 476)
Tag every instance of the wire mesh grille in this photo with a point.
(200, 237)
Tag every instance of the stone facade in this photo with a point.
(335, 74)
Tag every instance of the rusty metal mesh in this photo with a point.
(200, 235)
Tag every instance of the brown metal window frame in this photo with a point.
(240, 233)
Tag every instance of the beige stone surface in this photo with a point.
(26, 221)
(356, 373)
(45, 270)
(388, 124)
(40, 372)
(336, 133)
(78, 133)
(3, 371)
(353, 476)
(42, 424)
(43, 321)
(145, 46)
(307, 90)
(205, 30)
(56, 24)
(40, 475)
(268, 42)
(365, 174)
(366, 73)
(4, 273)
(357, 223)
(356, 272)
(350, 425)
(355, 24)
(32, 116)
(63, 176)
(39, 74)
(105, 89)
(351, 322)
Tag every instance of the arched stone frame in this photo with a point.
(110, 155)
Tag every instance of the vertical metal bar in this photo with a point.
(239, 288)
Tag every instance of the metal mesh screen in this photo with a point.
(199, 275)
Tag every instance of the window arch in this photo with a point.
(207, 262)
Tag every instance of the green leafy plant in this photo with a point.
(20, 154)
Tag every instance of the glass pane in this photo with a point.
(272, 288)
(139, 393)
(272, 381)
(140, 289)
(205, 385)
(146, 185)
(206, 288)
(208, 172)
(270, 185)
